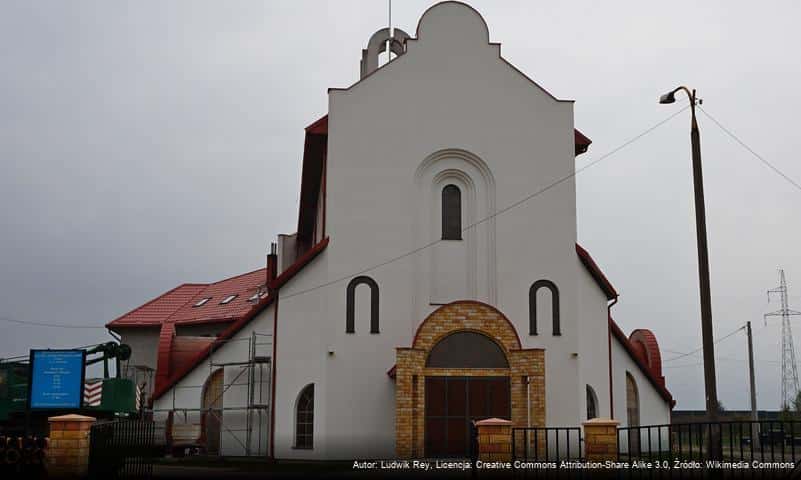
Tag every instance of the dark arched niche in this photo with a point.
(466, 350)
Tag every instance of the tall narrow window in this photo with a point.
(592, 403)
(304, 418)
(451, 213)
(632, 401)
(532, 306)
(350, 304)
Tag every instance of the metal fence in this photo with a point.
(734, 441)
(22, 457)
(122, 449)
(547, 444)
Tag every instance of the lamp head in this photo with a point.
(668, 98)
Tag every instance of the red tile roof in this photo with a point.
(180, 371)
(177, 305)
(158, 310)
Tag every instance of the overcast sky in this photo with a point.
(145, 144)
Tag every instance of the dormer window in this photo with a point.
(228, 299)
(202, 302)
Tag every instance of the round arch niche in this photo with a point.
(466, 349)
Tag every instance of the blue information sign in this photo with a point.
(56, 378)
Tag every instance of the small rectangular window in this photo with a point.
(228, 299)
(202, 302)
(254, 297)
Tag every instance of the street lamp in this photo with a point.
(703, 267)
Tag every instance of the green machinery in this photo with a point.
(105, 397)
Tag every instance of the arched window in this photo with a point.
(592, 403)
(466, 350)
(212, 405)
(304, 418)
(451, 213)
(350, 313)
(633, 414)
(632, 401)
(532, 306)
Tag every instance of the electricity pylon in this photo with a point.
(789, 369)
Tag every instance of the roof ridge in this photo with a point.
(153, 300)
(237, 276)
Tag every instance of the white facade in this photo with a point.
(449, 111)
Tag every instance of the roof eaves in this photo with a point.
(596, 273)
(621, 337)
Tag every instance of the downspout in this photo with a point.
(272, 273)
(609, 346)
(528, 401)
(274, 377)
(528, 409)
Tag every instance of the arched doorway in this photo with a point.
(212, 404)
(452, 402)
(459, 368)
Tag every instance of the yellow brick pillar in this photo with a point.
(600, 439)
(68, 454)
(494, 440)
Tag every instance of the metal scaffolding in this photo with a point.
(253, 374)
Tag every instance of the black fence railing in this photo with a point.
(730, 441)
(122, 449)
(22, 457)
(547, 444)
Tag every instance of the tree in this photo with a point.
(797, 403)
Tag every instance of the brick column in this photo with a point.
(68, 455)
(494, 439)
(600, 439)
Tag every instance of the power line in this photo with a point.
(725, 359)
(755, 154)
(27, 355)
(701, 348)
(498, 212)
(43, 324)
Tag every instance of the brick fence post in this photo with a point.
(600, 439)
(494, 440)
(68, 455)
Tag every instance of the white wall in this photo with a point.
(450, 93)
(593, 344)
(654, 410)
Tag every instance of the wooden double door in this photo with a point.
(451, 403)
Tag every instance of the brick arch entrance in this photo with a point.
(421, 429)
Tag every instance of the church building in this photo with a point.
(425, 287)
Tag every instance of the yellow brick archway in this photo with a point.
(411, 370)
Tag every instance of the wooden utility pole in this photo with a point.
(751, 375)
